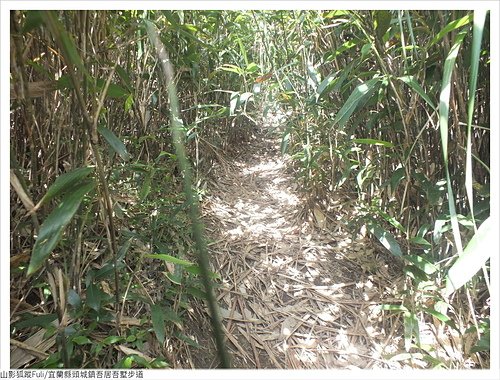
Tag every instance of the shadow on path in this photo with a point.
(294, 293)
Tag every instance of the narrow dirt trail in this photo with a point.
(295, 294)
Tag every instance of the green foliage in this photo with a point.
(365, 111)
(452, 26)
(95, 297)
(158, 319)
(415, 86)
(53, 227)
(385, 238)
(170, 259)
(65, 182)
(479, 19)
(443, 127)
(33, 20)
(361, 92)
(474, 256)
(115, 143)
(483, 343)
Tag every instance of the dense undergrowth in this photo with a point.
(389, 108)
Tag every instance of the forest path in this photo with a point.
(294, 293)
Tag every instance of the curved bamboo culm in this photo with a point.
(201, 246)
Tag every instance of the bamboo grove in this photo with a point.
(389, 108)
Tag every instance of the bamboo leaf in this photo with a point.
(234, 102)
(124, 76)
(330, 56)
(43, 320)
(245, 97)
(483, 344)
(129, 102)
(314, 76)
(195, 269)
(451, 26)
(386, 239)
(392, 220)
(387, 144)
(146, 186)
(170, 259)
(382, 22)
(175, 277)
(252, 67)
(444, 108)
(285, 141)
(172, 316)
(64, 39)
(396, 177)
(361, 92)
(479, 18)
(33, 20)
(64, 82)
(112, 340)
(115, 143)
(325, 86)
(365, 49)
(195, 292)
(74, 298)
(64, 182)
(158, 320)
(232, 69)
(94, 298)
(475, 255)
(170, 16)
(414, 85)
(114, 91)
(389, 307)
(421, 263)
(340, 81)
(333, 14)
(420, 241)
(53, 227)
(242, 50)
(81, 340)
(417, 274)
(443, 318)
(411, 329)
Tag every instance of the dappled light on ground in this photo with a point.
(260, 219)
(294, 294)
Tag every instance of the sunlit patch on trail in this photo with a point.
(265, 218)
(290, 298)
(265, 169)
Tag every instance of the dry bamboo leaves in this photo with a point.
(288, 293)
